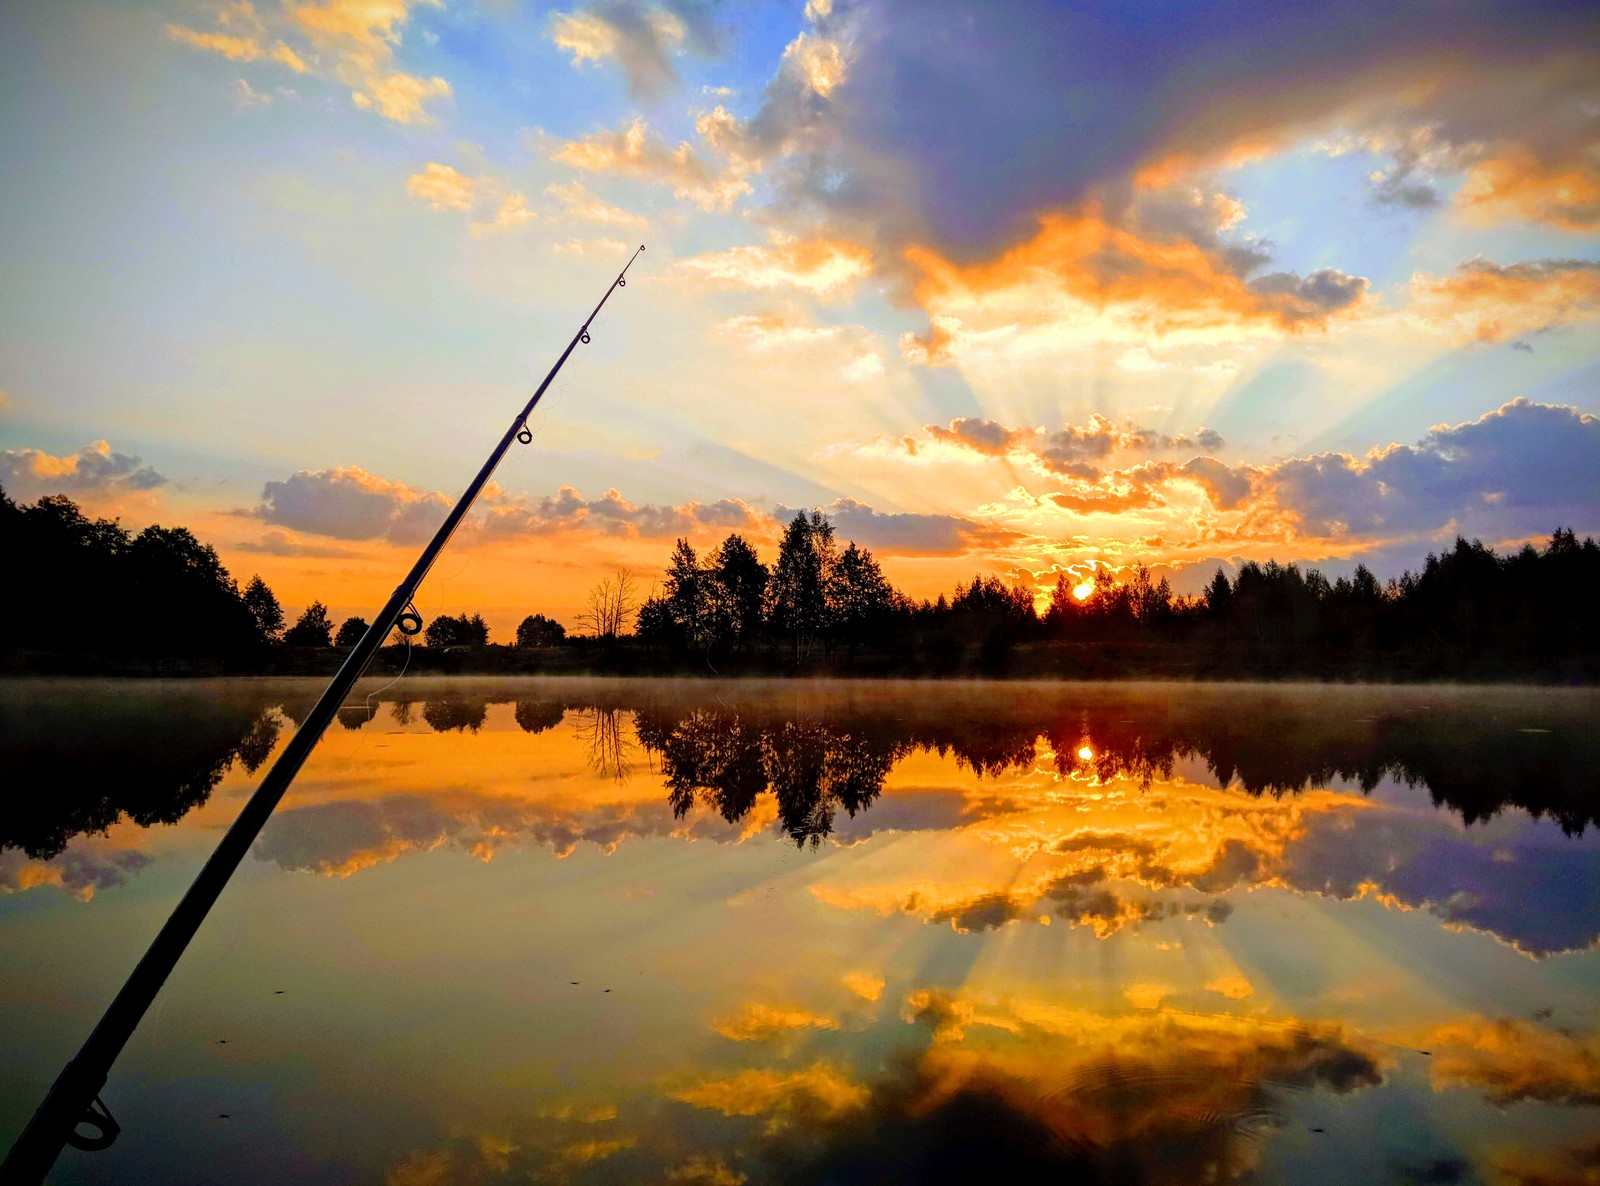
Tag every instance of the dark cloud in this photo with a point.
(349, 503)
(1177, 1113)
(1313, 297)
(81, 869)
(1228, 485)
(1526, 890)
(895, 534)
(981, 436)
(643, 38)
(1518, 469)
(611, 513)
(28, 474)
(1061, 103)
(280, 543)
(1068, 450)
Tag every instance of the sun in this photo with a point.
(1083, 591)
(1085, 753)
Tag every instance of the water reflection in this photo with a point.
(863, 933)
(74, 766)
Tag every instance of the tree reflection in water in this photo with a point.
(1476, 754)
(610, 751)
(72, 771)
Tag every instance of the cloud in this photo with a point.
(757, 1022)
(360, 39)
(355, 38)
(1051, 201)
(851, 352)
(350, 503)
(1524, 465)
(825, 268)
(1234, 986)
(1057, 1094)
(897, 534)
(1489, 302)
(442, 187)
(635, 151)
(1069, 450)
(612, 514)
(94, 471)
(248, 96)
(1509, 1060)
(235, 49)
(1510, 474)
(80, 870)
(360, 36)
(1074, 897)
(578, 202)
(1518, 185)
(281, 543)
(1125, 101)
(1081, 278)
(817, 1092)
(642, 38)
(864, 985)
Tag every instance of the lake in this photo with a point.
(693, 932)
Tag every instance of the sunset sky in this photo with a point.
(1014, 287)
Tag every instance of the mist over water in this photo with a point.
(649, 930)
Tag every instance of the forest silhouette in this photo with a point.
(1468, 613)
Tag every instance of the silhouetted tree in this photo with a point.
(264, 608)
(738, 582)
(462, 630)
(687, 598)
(536, 630)
(314, 628)
(859, 598)
(350, 632)
(797, 607)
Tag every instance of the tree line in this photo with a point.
(1468, 612)
(91, 587)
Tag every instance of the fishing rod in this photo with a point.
(73, 1101)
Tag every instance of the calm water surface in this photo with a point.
(648, 931)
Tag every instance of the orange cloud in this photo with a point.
(819, 1091)
(235, 49)
(1489, 302)
(360, 36)
(357, 37)
(757, 1022)
(1082, 276)
(865, 985)
(1508, 1059)
(636, 151)
(441, 187)
(578, 202)
(1233, 986)
(1517, 184)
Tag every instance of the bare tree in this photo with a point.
(610, 607)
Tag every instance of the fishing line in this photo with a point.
(393, 682)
